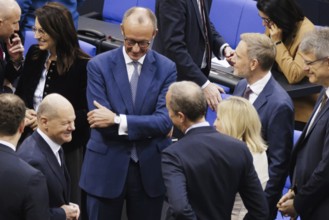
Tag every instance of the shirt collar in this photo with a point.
(197, 125)
(259, 85)
(10, 145)
(128, 60)
(54, 146)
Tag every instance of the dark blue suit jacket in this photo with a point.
(181, 37)
(276, 112)
(310, 161)
(204, 170)
(107, 157)
(23, 189)
(35, 151)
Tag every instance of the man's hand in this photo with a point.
(15, 48)
(72, 211)
(286, 204)
(31, 119)
(212, 95)
(228, 53)
(101, 117)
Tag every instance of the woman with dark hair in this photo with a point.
(286, 25)
(57, 65)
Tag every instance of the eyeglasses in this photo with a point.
(310, 63)
(142, 44)
(266, 20)
(39, 31)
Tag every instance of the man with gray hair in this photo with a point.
(23, 189)
(129, 123)
(309, 169)
(205, 169)
(253, 60)
(11, 48)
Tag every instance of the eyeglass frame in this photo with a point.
(310, 63)
(132, 43)
(266, 20)
(39, 31)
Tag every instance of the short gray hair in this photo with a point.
(316, 42)
(141, 17)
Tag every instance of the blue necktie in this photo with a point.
(133, 87)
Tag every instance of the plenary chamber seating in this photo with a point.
(30, 40)
(231, 18)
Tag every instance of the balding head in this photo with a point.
(141, 16)
(188, 98)
(10, 14)
(56, 118)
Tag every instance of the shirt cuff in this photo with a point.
(123, 126)
(221, 50)
(205, 84)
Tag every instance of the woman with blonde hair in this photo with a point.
(238, 118)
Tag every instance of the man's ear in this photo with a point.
(155, 33)
(21, 126)
(181, 116)
(43, 122)
(253, 64)
(122, 29)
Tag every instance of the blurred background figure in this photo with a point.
(57, 65)
(286, 25)
(23, 189)
(238, 118)
(11, 48)
(29, 6)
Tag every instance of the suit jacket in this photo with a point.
(310, 168)
(35, 151)
(7, 70)
(204, 170)
(72, 86)
(107, 157)
(276, 113)
(181, 37)
(23, 189)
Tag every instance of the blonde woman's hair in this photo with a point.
(238, 118)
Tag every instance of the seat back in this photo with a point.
(231, 18)
(212, 115)
(113, 10)
(30, 40)
(147, 4)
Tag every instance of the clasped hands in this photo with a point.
(286, 205)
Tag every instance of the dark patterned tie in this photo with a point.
(323, 102)
(247, 93)
(205, 27)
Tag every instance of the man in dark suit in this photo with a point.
(11, 48)
(205, 169)
(309, 170)
(43, 151)
(23, 189)
(187, 36)
(126, 95)
(253, 59)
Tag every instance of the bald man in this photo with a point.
(11, 48)
(126, 91)
(43, 151)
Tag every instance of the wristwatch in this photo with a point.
(117, 119)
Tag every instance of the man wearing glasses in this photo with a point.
(126, 95)
(309, 170)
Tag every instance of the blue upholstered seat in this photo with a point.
(30, 40)
(211, 115)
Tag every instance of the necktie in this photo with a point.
(247, 93)
(317, 113)
(61, 156)
(133, 87)
(204, 22)
(134, 81)
(323, 102)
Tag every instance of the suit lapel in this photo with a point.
(146, 76)
(262, 98)
(53, 163)
(120, 75)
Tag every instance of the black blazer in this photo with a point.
(310, 167)
(181, 37)
(204, 170)
(23, 189)
(35, 151)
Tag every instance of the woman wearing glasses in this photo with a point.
(238, 118)
(286, 25)
(57, 65)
